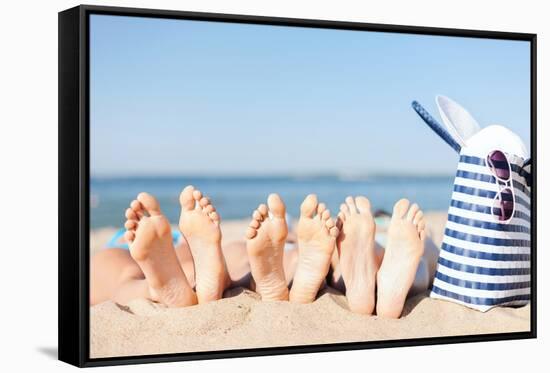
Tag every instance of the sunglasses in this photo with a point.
(504, 201)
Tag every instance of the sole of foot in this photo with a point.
(265, 241)
(404, 250)
(317, 234)
(149, 236)
(357, 253)
(200, 225)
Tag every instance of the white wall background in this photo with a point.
(28, 182)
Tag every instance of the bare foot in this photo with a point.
(150, 238)
(265, 241)
(317, 234)
(357, 253)
(200, 225)
(404, 250)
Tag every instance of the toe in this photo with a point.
(334, 232)
(400, 208)
(150, 204)
(412, 212)
(208, 209)
(251, 233)
(187, 201)
(257, 215)
(342, 216)
(325, 215)
(351, 205)
(263, 210)
(309, 206)
(130, 214)
(204, 201)
(136, 205)
(254, 224)
(344, 209)
(363, 204)
(214, 216)
(130, 224)
(330, 223)
(276, 206)
(321, 208)
(129, 236)
(421, 225)
(197, 195)
(419, 216)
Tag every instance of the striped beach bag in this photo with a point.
(485, 256)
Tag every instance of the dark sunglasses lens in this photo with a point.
(499, 164)
(504, 205)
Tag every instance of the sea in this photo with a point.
(236, 197)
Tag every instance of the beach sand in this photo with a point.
(241, 320)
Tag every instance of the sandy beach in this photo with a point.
(241, 320)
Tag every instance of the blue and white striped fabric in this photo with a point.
(484, 263)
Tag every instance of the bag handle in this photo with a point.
(435, 126)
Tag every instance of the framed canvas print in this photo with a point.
(233, 186)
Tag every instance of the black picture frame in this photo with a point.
(74, 177)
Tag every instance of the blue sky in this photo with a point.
(174, 97)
